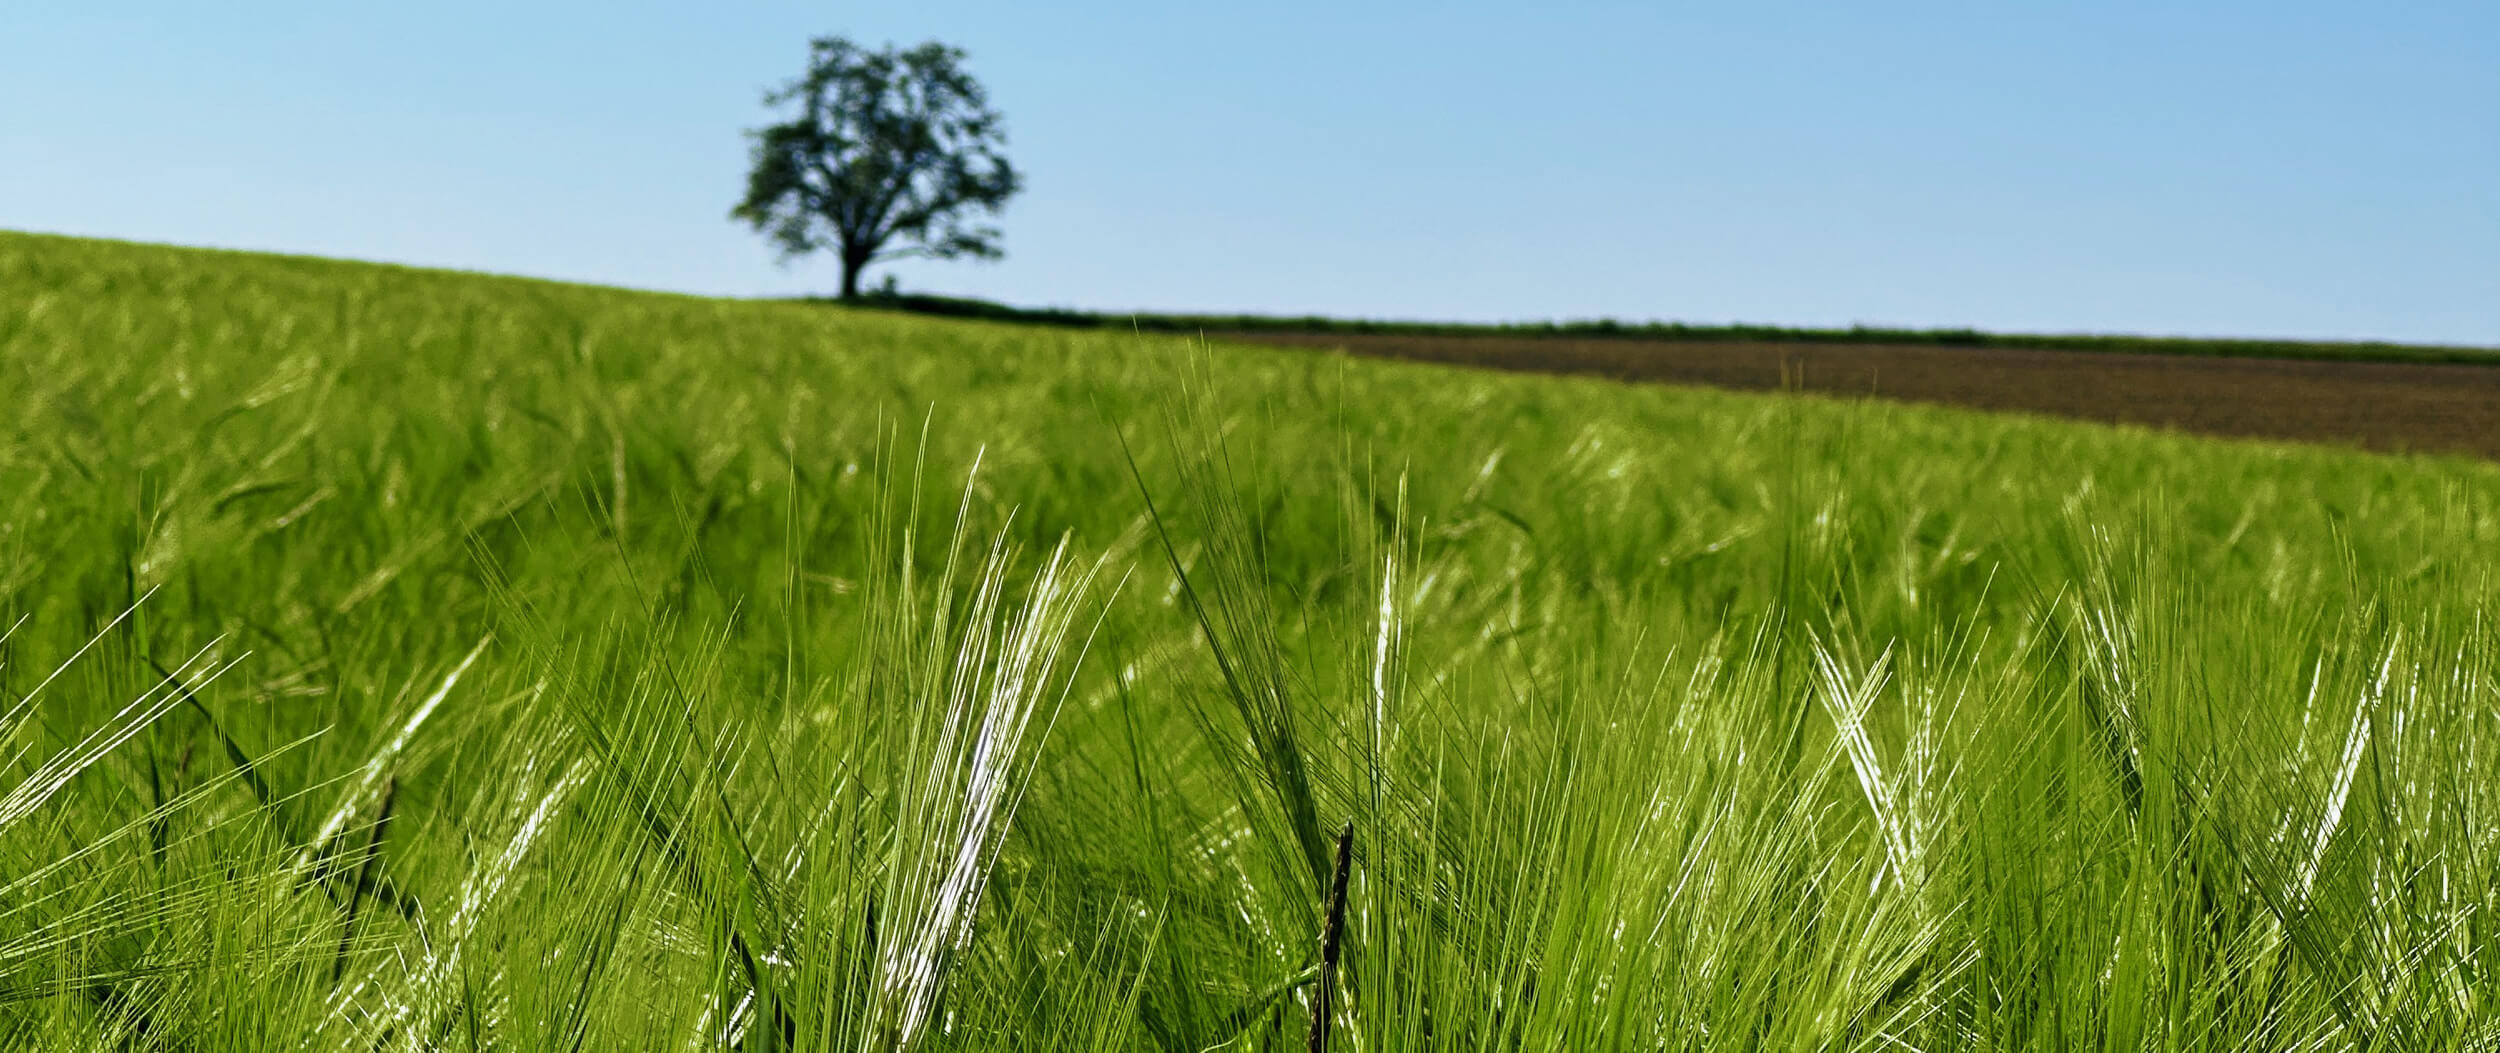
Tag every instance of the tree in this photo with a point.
(892, 154)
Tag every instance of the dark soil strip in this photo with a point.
(2419, 407)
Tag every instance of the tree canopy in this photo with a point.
(889, 154)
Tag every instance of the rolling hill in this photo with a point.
(402, 659)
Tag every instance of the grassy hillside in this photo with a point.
(410, 660)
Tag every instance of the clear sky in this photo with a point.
(2259, 169)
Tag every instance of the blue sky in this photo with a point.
(2260, 169)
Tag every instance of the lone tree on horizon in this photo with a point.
(892, 154)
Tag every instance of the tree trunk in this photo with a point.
(850, 276)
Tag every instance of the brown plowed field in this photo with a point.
(2380, 405)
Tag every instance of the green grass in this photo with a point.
(406, 660)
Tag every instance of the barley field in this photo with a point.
(406, 660)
